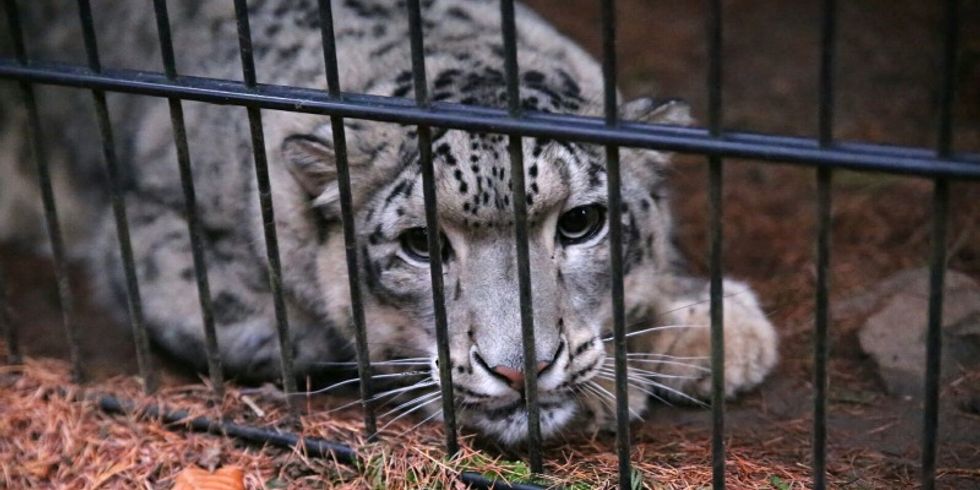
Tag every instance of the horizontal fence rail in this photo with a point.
(734, 144)
(823, 152)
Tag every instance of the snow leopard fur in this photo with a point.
(565, 181)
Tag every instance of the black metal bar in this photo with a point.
(476, 480)
(245, 43)
(432, 225)
(828, 43)
(614, 191)
(714, 36)
(265, 202)
(52, 223)
(717, 325)
(821, 321)
(937, 262)
(515, 148)
(165, 39)
(88, 35)
(762, 147)
(824, 180)
(947, 92)
(347, 221)
(116, 193)
(190, 202)
(310, 446)
(7, 325)
(16, 32)
(937, 271)
(714, 24)
(65, 297)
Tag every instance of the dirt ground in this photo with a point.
(886, 74)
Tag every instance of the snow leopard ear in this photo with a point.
(657, 111)
(312, 163)
(649, 166)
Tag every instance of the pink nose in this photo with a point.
(516, 377)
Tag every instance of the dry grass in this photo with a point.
(56, 436)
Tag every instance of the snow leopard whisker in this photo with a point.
(433, 397)
(421, 351)
(655, 329)
(643, 372)
(645, 380)
(635, 384)
(665, 362)
(666, 356)
(637, 364)
(385, 394)
(612, 397)
(679, 308)
(416, 426)
(408, 361)
(410, 403)
(357, 380)
(588, 389)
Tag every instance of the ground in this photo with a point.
(887, 71)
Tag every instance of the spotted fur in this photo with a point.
(570, 282)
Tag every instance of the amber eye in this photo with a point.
(580, 224)
(415, 244)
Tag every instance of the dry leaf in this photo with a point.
(228, 478)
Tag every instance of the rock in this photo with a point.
(894, 335)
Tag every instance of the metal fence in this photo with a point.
(822, 152)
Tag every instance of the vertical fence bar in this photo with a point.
(190, 202)
(715, 250)
(824, 180)
(828, 46)
(65, 298)
(937, 262)
(515, 146)
(937, 271)
(134, 301)
(432, 225)
(820, 342)
(613, 183)
(947, 94)
(265, 202)
(7, 325)
(347, 219)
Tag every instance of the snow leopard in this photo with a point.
(568, 214)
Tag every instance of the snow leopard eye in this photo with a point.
(580, 224)
(415, 244)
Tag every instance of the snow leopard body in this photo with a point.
(464, 64)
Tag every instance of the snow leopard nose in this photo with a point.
(515, 377)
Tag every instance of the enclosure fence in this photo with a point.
(940, 163)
